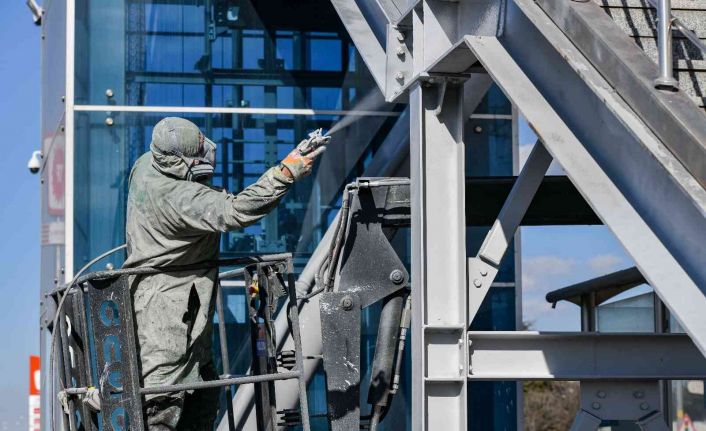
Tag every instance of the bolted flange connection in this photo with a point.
(397, 276)
(346, 303)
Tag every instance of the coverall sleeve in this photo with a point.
(198, 208)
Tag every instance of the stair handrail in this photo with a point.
(666, 22)
(683, 29)
(665, 80)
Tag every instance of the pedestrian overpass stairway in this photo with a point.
(636, 154)
(638, 18)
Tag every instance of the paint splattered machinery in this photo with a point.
(96, 351)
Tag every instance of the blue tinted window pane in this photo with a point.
(194, 95)
(163, 94)
(193, 54)
(352, 58)
(324, 54)
(285, 51)
(129, 46)
(222, 52)
(489, 149)
(325, 98)
(194, 18)
(174, 95)
(492, 406)
(253, 97)
(285, 97)
(494, 102)
(162, 52)
(253, 51)
(164, 17)
(105, 155)
(220, 96)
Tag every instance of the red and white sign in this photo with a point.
(53, 233)
(34, 385)
(56, 174)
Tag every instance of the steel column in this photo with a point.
(438, 259)
(371, 50)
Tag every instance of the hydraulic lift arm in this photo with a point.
(361, 269)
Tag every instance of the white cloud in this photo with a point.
(550, 265)
(533, 308)
(604, 263)
(538, 271)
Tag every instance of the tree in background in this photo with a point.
(550, 406)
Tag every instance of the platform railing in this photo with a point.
(99, 314)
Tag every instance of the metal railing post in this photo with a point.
(225, 356)
(665, 80)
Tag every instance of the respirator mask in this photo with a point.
(201, 167)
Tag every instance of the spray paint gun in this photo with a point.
(300, 160)
(315, 140)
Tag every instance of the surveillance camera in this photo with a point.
(35, 162)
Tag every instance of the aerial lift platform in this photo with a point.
(98, 354)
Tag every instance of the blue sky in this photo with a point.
(19, 201)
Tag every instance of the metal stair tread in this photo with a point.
(682, 48)
(643, 22)
(687, 5)
(690, 65)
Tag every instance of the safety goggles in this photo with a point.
(201, 168)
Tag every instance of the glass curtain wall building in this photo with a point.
(256, 76)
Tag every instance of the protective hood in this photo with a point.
(180, 150)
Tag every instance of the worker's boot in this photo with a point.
(163, 413)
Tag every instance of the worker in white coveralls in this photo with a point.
(175, 218)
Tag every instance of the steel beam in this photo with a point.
(556, 202)
(671, 262)
(633, 401)
(483, 268)
(370, 49)
(585, 421)
(393, 8)
(498, 239)
(500, 355)
(438, 259)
